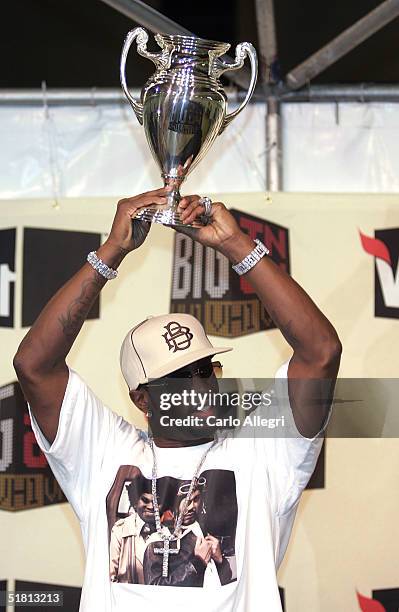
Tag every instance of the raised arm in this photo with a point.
(40, 360)
(317, 349)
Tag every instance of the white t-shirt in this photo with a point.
(249, 488)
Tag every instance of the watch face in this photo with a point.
(250, 260)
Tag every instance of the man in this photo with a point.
(200, 561)
(131, 535)
(87, 445)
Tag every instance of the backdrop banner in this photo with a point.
(343, 249)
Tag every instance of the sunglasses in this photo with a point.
(203, 371)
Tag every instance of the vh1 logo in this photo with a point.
(26, 480)
(384, 247)
(205, 285)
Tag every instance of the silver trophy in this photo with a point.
(183, 107)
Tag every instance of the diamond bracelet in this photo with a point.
(250, 260)
(101, 267)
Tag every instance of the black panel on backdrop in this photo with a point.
(51, 257)
(390, 237)
(389, 598)
(71, 595)
(26, 480)
(7, 277)
(3, 587)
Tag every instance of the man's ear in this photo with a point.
(140, 399)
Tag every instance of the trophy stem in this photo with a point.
(168, 214)
(174, 196)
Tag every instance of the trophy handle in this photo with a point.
(243, 50)
(161, 60)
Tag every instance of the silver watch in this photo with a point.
(250, 260)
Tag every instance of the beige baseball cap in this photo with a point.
(160, 345)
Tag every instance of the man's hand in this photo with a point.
(126, 235)
(216, 551)
(222, 232)
(203, 550)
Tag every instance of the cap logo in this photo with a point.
(177, 337)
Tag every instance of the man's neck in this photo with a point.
(169, 443)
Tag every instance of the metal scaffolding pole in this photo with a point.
(86, 97)
(342, 44)
(147, 16)
(363, 92)
(157, 22)
(266, 26)
(267, 39)
(274, 167)
(103, 96)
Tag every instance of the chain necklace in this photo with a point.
(169, 537)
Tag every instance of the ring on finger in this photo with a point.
(207, 204)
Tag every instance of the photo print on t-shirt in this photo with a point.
(206, 547)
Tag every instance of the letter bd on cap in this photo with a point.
(162, 344)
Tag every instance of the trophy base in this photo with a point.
(165, 215)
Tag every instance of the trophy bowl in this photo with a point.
(183, 107)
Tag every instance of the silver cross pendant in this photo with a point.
(165, 551)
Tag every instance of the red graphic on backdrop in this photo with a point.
(369, 605)
(375, 247)
(32, 455)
